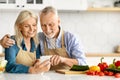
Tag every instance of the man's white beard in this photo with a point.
(49, 36)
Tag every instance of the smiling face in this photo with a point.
(49, 24)
(28, 28)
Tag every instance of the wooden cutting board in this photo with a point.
(64, 71)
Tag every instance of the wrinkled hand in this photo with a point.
(40, 67)
(6, 42)
(56, 59)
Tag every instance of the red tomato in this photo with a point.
(90, 72)
(110, 73)
(117, 75)
(96, 73)
(106, 72)
(101, 74)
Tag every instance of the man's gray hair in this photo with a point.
(49, 9)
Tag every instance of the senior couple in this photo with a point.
(23, 50)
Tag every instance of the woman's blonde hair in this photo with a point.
(24, 15)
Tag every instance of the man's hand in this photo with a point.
(56, 59)
(6, 42)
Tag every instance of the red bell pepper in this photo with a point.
(117, 63)
(103, 65)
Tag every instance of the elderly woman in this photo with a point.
(23, 56)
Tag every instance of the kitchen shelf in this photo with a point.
(102, 54)
(104, 9)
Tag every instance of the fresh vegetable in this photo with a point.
(117, 63)
(117, 75)
(2, 65)
(91, 72)
(113, 70)
(106, 72)
(112, 65)
(110, 73)
(103, 69)
(118, 67)
(94, 68)
(102, 65)
(101, 74)
(79, 67)
(2, 69)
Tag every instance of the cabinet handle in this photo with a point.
(23, 6)
(18, 6)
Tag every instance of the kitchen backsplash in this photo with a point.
(98, 31)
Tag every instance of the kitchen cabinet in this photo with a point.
(39, 4)
(24, 4)
(70, 4)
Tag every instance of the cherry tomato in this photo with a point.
(106, 72)
(96, 72)
(110, 73)
(117, 75)
(101, 74)
(90, 72)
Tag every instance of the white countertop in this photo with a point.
(51, 75)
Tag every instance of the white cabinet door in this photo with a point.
(5, 4)
(24, 4)
(37, 4)
(70, 4)
(40, 4)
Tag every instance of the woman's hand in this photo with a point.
(40, 67)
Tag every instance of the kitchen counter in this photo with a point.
(51, 75)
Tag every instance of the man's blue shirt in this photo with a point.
(72, 45)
